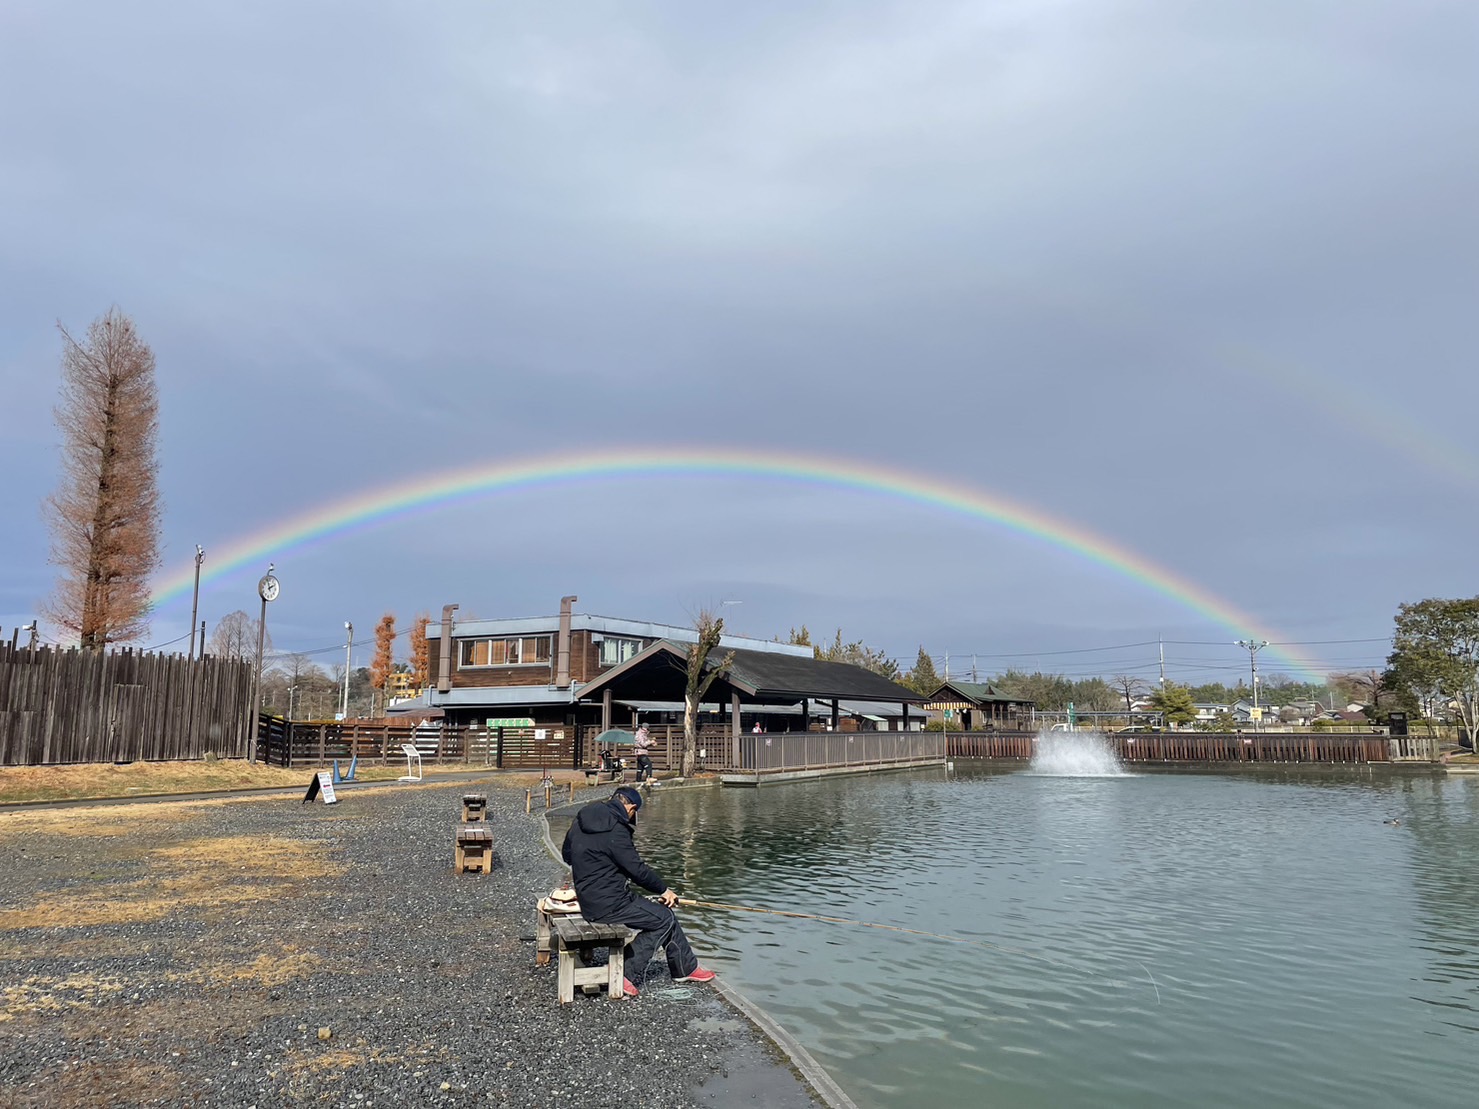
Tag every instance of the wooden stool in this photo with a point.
(474, 849)
(542, 945)
(474, 807)
(577, 939)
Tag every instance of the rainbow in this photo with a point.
(372, 507)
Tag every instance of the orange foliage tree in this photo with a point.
(383, 664)
(421, 652)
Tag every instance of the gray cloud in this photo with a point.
(1129, 262)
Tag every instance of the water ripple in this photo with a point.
(1148, 940)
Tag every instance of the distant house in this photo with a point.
(1208, 711)
(981, 706)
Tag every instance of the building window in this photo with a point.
(531, 650)
(615, 650)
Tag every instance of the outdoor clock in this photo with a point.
(268, 588)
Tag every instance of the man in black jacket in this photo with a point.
(602, 858)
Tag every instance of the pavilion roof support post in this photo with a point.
(734, 726)
(834, 714)
(606, 708)
(905, 724)
(806, 714)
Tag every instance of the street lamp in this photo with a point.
(195, 604)
(348, 648)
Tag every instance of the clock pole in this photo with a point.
(267, 590)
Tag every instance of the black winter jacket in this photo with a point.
(599, 849)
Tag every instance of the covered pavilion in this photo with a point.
(756, 681)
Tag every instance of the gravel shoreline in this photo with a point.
(264, 952)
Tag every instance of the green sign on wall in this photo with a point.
(512, 722)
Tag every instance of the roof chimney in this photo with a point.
(444, 655)
(562, 665)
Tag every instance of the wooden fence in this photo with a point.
(320, 742)
(71, 706)
(1247, 747)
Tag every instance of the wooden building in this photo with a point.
(530, 671)
(982, 707)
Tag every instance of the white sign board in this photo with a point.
(326, 786)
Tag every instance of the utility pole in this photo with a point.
(31, 627)
(1253, 646)
(195, 604)
(1161, 643)
(348, 649)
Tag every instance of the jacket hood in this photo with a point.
(601, 817)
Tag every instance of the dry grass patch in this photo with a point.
(267, 856)
(265, 970)
(131, 903)
(95, 1082)
(210, 873)
(94, 821)
(97, 780)
(44, 994)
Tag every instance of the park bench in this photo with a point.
(474, 849)
(577, 941)
(474, 807)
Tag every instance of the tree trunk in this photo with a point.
(690, 736)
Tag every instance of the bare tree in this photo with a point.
(702, 673)
(235, 636)
(420, 652)
(1129, 687)
(104, 515)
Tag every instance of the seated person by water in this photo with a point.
(603, 858)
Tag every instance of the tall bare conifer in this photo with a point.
(383, 664)
(104, 515)
(420, 652)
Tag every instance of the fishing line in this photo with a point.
(908, 931)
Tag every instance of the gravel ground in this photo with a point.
(264, 952)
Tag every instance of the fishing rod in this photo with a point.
(689, 901)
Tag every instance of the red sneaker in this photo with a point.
(699, 975)
(627, 989)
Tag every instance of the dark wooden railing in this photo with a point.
(1185, 747)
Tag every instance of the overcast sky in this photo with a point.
(1199, 278)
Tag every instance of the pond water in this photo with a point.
(1145, 939)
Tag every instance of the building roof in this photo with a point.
(759, 677)
(605, 625)
(957, 694)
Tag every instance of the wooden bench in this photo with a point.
(474, 849)
(576, 940)
(474, 807)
